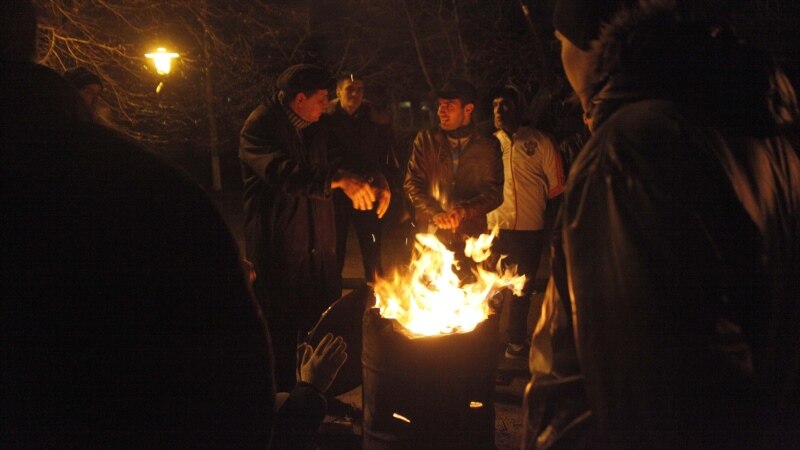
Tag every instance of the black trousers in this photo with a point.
(524, 248)
(368, 231)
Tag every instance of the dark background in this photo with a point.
(232, 50)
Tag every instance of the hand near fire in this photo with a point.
(450, 220)
(356, 188)
(319, 366)
(383, 194)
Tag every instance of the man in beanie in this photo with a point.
(288, 200)
(681, 238)
(455, 173)
(89, 87)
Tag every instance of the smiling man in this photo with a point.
(289, 221)
(455, 173)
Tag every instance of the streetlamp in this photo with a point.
(162, 59)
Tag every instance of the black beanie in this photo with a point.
(580, 20)
(304, 78)
(79, 77)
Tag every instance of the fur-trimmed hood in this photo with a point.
(659, 50)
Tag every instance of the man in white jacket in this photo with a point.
(533, 175)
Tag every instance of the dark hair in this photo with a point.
(345, 76)
(456, 88)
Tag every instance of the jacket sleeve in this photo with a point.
(553, 167)
(299, 418)
(418, 185)
(642, 280)
(264, 147)
(491, 192)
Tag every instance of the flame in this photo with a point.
(429, 299)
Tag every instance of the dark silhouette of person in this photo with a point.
(681, 238)
(127, 319)
(89, 87)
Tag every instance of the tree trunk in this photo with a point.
(213, 134)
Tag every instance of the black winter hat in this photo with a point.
(580, 20)
(80, 77)
(304, 78)
(460, 89)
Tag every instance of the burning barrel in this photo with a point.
(429, 392)
(429, 352)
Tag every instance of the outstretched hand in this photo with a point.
(319, 366)
(356, 188)
(449, 220)
(383, 194)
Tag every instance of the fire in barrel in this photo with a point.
(430, 352)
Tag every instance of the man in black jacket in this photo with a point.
(289, 219)
(681, 234)
(364, 138)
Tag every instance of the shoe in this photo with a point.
(517, 351)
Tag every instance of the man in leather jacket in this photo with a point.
(455, 173)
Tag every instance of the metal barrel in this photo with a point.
(430, 392)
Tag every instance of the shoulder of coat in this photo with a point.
(376, 115)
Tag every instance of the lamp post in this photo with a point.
(162, 59)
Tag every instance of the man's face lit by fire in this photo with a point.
(453, 114)
(351, 94)
(310, 108)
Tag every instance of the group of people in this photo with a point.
(309, 173)
(669, 321)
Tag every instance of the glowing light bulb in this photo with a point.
(162, 60)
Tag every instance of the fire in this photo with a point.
(429, 299)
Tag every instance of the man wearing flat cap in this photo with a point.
(681, 240)
(455, 173)
(289, 217)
